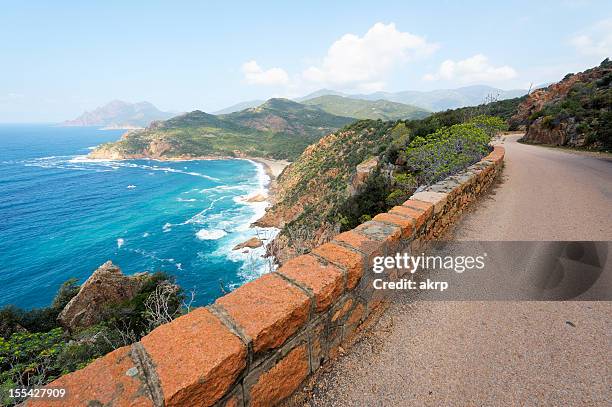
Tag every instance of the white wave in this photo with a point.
(238, 222)
(254, 262)
(131, 186)
(186, 200)
(215, 234)
(222, 188)
(167, 227)
(85, 159)
(263, 180)
(120, 243)
(146, 234)
(199, 217)
(83, 163)
(151, 255)
(176, 171)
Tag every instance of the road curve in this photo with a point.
(472, 353)
(545, 194)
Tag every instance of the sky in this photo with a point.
(58, 59)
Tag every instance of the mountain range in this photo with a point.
(240, 106)
(378, 105)
(435, 100)
(444, 99)
(366, 109)
(277, 128)
(334, 103)
(120, 115)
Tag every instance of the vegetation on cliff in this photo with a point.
(279, 129)
(35, 349)
(369, 166)
(575, 112)
(367, 109)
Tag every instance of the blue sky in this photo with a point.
(60, 58)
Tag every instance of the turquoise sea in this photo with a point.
(63, 215)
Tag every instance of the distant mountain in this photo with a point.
(121, 115)
(366, 109)
(444, 99)
(435, 100)
(432, 101)
(278, 128)
(320, 92)
(240, 106)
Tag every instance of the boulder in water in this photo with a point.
(252, 243)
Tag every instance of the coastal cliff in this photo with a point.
(352, 175)
(308, 191)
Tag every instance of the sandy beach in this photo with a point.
(272, 167)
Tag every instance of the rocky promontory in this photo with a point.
(280, 129)
(107, 286)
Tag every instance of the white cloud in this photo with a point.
(595, 41)
(254, 74)
(364, 62)
(474, 69)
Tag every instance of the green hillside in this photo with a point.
(278, 128)
(367, 109)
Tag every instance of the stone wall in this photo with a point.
(257, 344)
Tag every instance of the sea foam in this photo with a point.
(204, 234)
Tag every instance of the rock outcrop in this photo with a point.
(252, 243)
(257, 198)
(362, 173)
(574, 112)
(106, 286)
(563, 133)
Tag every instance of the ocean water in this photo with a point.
(63, 215)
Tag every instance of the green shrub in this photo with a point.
(364, 218)
(491, 125)
(446, 151)
(548, 121)
(370, 200)
(13, 319)
(403, 186)
(29, 359)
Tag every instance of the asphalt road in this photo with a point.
(487, 353)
